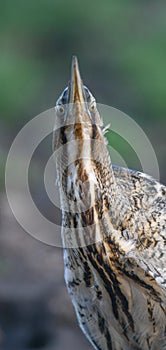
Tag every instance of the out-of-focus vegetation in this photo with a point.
(121, 47)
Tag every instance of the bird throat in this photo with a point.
(86, 182)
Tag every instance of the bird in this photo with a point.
(113, 231)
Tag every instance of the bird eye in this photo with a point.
(60, 110)
(92, 106)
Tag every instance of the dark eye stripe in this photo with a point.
(65, 95)
(87, 93)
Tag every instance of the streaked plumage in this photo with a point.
(113, 232)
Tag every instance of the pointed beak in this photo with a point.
(76, 90)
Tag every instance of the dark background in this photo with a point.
(121, 48)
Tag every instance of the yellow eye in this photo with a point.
(92, 106)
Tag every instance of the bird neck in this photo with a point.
(88, 188)
(85, 174)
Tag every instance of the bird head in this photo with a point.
(81, 141)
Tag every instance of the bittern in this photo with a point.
(113, 232)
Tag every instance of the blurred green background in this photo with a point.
(121, 48)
